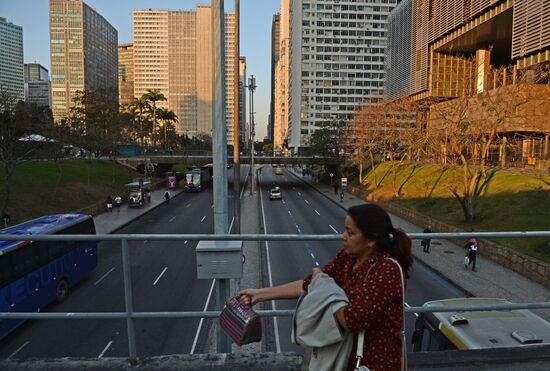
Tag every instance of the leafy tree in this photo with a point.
(325, 140)
(169, 120)
(138, 107)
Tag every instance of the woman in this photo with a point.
(368, 268)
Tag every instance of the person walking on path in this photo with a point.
(109, 204)
(167, 197)
(472, 253)
(426, 241)
(118, 203)
(6, 219)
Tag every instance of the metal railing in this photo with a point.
(130, 314)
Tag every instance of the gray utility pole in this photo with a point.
(219, 148)
(236, 144)
(251, 88)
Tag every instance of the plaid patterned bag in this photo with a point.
(240, 322)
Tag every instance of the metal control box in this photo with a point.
(219, 259)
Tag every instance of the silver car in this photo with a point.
(275, 194)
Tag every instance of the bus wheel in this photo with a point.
(62, 291)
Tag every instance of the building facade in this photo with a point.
(172, 53)
(444, 48)
(280, 119)
(83, 53)
(125, 73)
(12, 77)
(275, 41)
(37, 85)
(337, 51)
(476, 50)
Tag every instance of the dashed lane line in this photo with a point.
(160, 275)
(105, 275)
(204, 217)
(19, 349)
(334, 229)
(105, 349)
(317, 212)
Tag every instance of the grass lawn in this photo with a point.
(48, 187)
(510, 202)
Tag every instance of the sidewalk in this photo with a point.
(109, 222)
(489, 279)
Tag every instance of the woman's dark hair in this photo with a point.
(375, 224)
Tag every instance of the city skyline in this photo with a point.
(255, 16)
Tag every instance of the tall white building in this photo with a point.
(280, 113)
(336, 61)
(172, 53)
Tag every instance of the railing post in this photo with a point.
(128, 298)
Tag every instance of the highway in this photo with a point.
(164, 278)
(304, 210)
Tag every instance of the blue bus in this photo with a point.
(33, 274)
(196, 179)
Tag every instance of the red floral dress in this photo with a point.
(375, 305)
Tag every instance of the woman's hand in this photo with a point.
(249, 296)
(314, 272)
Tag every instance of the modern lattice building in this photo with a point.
(336, 61)
(11, 59)
(172, 53)
(83, 53)
(440, 50)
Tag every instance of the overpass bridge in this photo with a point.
(262, 160)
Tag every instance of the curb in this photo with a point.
(126, 223)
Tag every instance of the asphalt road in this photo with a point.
(303, 210)
(163, 279)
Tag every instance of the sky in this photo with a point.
(255, 38)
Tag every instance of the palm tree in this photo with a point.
(154, 96)
(167, 117)
(139, 105)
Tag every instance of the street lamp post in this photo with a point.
(251, 88)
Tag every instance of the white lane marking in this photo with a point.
(299, 194)
(18, 349)
(185, 243)
(317, 212)
(186, 206)
(145, 241)
(105, 275)
(334, 229)
(212, 206)
(202, 319)
(204, 217)
(174, 217)
(160, 275)
(231, 225)
(273, 307)
(307, 202)
(105, 349)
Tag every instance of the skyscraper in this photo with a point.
(37, 85)
(83, 52)
(336, 61)
(275, 32)
(172, 53)
(280, 119)
(125, 73)
(11, 59)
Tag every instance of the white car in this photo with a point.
(275, 194)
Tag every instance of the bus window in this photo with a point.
(6, 270)
(24, 260)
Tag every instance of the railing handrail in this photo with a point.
(130, 314)
(257, 237)
(264, 313)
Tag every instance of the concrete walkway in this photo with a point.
(109, 222)
(446, 258)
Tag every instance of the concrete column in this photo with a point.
(483, 68)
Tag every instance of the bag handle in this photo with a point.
(361, 337)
